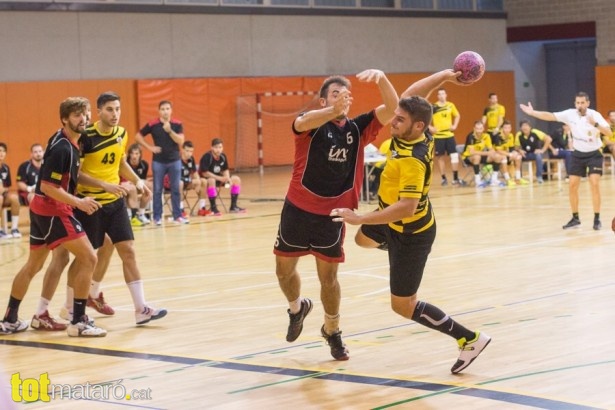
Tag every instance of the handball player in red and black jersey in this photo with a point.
(327, 173)
(52, 223)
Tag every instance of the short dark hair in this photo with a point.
(73, 105)
(215, 142)
(506, 122)
(36, 144)
(418, 107)
(583, 94)
(135, 147)
(336, 79)
(105, 98)
(492, 94)
(522, 122)
(3, 145)
(164, 102)
(187, 144)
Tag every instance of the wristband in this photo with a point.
(596, 125)
(140, 185)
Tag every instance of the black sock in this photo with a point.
(234, 200)
(134, 212)
(597, 216)
(12, 310)
(212, 203)
(432, 317)
(455, 175)
(78, 310)
(443, 176)
(575, 215)
(476, 169)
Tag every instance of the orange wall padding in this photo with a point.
(605, 90)
(207, 106)
(29, 112)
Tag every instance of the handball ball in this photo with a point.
(471, 65)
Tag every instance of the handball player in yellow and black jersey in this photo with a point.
(445, 120)
(103, 147)
(404, 224)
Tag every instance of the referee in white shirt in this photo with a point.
(586, 126)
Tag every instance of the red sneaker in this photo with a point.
(46, 322)
(100, 305)
(204, 212)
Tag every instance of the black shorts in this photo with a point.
(301, 233)
(445, 146)
(52, 231)
(583, 163)
(112, 219)
(407, 255)
(483, 160)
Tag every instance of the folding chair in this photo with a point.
(192, 206)
(219, 199)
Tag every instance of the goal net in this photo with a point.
(264, 133)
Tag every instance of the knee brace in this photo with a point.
(455, 158)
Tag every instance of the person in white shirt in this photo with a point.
(586, 126)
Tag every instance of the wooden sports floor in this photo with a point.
(501, 263)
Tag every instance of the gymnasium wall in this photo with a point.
(206, 106)
(539, 12)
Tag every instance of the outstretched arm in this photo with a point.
(541, 115)
(386, 111)
(316, 118)
(425, 86)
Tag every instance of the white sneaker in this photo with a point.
(7, 328)
(66, 314)
(85, 328)
(144, 219)
(149, 313)
(15, 233)
(470, 351)
(181, 220)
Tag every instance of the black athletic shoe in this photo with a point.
(572, 223)
(296, 320)
(597, 225)
(338, 348)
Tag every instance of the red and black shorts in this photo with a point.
(302, 233)
(52, 231)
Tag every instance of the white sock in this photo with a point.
(141, 211)
(477, 178)
(14, 221)
(43, 306)
(517, 174)
(506, 176)
(138, 295)
(181, 204)
(201, 203)
(494, 177)
(70, 295)
(94, 289)
(295, 305)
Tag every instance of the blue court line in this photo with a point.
(435, 388)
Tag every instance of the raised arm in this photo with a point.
(386, 111)
(541, 115)
(315, 118)
(425, 86)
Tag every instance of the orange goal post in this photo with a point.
(264, 127)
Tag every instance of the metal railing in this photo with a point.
(425, 5)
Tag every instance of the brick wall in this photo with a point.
(537, 12)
